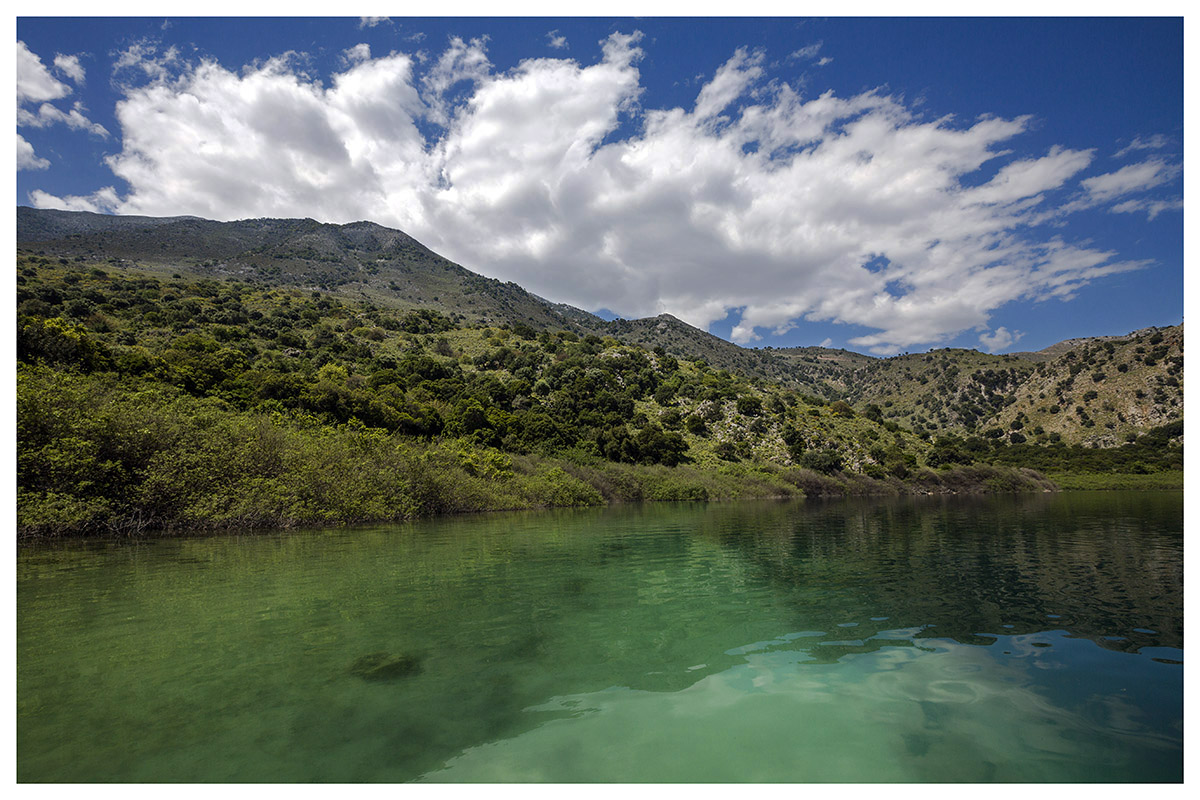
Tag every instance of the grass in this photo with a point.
(1117, 480)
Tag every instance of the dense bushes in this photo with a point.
(101, 454)
(171, 404)
(104, 453)
(322, 356)
(1157, 450)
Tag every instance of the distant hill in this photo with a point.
(48, 224)
(1097, 391)
(1062, 348)
(1102, 392)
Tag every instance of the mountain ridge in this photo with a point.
(948, 390)
(70, 231)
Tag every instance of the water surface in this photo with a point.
(1032, 638)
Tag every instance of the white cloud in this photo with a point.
(1132, 178)
(48, 114)
(103, 201)
(826, 342)
(461, 62)
(1022, 180)
(1001, 339)
(807, 52)
(357, 54)
(26, 158)
(70, 66)
(144, 60)
(35, 84)
(557, 40)
(824, 60)
(1152, 207)
(371, 22)
(1155, 142)
(730, 82)
(757, 198)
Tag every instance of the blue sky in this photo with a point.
(884, 185)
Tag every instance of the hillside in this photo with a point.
(1038, 396)
(948, 390)
(1101, 392)
(360, 261)
(260, 347)
(146, 403)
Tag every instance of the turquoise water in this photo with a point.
(1032, 638)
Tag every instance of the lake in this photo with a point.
(1008, 638)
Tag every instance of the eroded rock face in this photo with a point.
(385, 666)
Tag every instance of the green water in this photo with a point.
(1029, 638)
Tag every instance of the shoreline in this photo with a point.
(612, 484)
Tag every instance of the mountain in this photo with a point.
(1102, 392)
(1098, 391)
(49, 225)
(361, 261)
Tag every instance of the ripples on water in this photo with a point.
(996, 639)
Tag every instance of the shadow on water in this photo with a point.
(384, 654)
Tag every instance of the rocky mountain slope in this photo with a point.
(359, 261)
(1098, 391)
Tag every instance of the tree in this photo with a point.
(841, 408)
(749, 406)
(826, 461)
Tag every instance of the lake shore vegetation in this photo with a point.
(153, 404)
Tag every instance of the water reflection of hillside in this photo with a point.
(213, 646)
(1105, 567)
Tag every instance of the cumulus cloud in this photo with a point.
(35, 84)
(103, 201)
(1132, 179)
(557, 40)
(48, 114)
(357, 54)
(146, 59)
(69, 66)
(1020, 180)
(36, 91)
(461, 61)
(26, 158)
(730, 83)
(1152, 208)
(756, 199)
(1000, 339)
(371, 22)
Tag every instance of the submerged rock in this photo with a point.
(385, 666)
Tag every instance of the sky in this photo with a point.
(885, 185)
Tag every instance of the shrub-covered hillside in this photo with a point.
(154, 402)
(1102, 393)
(948, 391)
